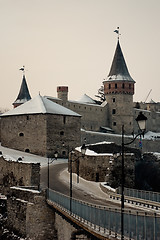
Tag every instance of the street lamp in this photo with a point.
(141, 121)
(83, 151)
(49, 162)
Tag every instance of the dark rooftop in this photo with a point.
(119, 66)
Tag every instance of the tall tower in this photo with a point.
(119, 90)
(24, 94)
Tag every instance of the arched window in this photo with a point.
(27, 150)
(61, 133)
(21, 134)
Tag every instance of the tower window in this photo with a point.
(114, 123)
(115, 85)
(21, 134)
(113, 100)
(123, 85)
(129, 86)
(61, 133)
(113, 111)
(27, 150)
(64, 119)
(109, 86)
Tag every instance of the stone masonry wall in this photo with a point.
(25, 133)
(18, 174)
(91, 168)
(94, 137)
(63, 130)
(93, 116)
(99, 167)
(29, 215)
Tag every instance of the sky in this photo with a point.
(72, 43)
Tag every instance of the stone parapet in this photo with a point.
(18, 174)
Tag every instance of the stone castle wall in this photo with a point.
(98, 168)
(18, 174)
(93, 116)
(41, 134)
(25, 133)
(30, 216)
(62, 130)
(147, 145)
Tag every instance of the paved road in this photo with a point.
(58, 185)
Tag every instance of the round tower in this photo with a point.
(119, 91)
(62, 92)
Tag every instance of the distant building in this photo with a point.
(42, 127)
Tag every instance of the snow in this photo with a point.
(40, 105)
(13, 155)
(86, 99)
(77, 101)
(148, 135)
(108, 187)
(119, 77)
(25, 189)
(152, 135)
(21, 100)
(157, 155)
(92, 153)
(89, 187)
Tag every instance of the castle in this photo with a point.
(75, 117)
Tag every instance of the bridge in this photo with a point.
(105, 222)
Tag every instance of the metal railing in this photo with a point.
(137, 224)
(147, 195)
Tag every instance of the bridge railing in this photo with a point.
(147, 195)
(137, 224)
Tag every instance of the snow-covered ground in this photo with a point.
(13, 155)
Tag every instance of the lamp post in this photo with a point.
(83, 151)
(141, 121)
(49, 162)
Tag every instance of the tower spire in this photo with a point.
(24, 94)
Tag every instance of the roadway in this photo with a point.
(59, 181)
(58, 184)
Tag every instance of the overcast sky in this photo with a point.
(72, 42)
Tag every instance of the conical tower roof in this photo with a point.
(24, 94)
(119, 70)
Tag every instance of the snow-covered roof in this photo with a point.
(86, 99)
(91, 103)
(40, 105)
(152, 101)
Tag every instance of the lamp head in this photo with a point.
(56, 155)
(141, 121)
(83, 149)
